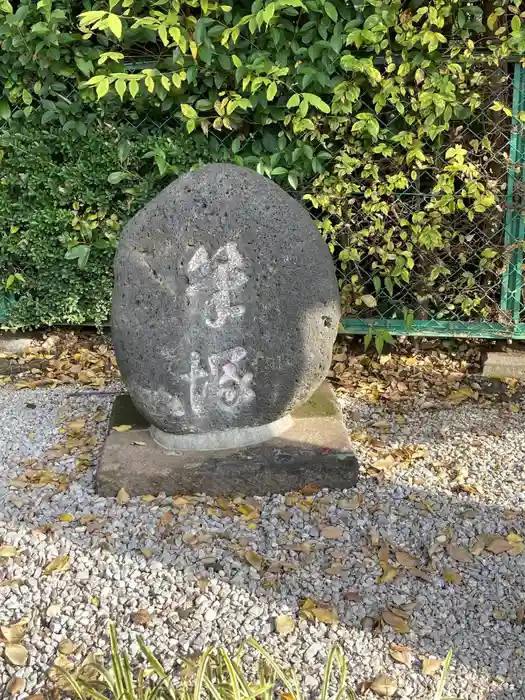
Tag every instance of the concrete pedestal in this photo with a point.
(315, 449)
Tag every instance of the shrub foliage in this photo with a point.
(389, 117)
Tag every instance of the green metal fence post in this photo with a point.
(514, 228)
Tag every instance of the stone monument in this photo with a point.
(225, 310)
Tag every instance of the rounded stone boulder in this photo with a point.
(225, 308)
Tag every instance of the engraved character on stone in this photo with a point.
(216, 280)
(225, 384)
(234, 386)
(198, 381)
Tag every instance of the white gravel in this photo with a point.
(471, 482)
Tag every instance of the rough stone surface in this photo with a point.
(15, 343)
(316, 449)
(225, 304)
(505, 364)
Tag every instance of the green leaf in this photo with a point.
(316, 102)
(294, 101)
(271, 91)
(117, 176)
(83, 255)
(85, 67)
(120, 87)
(188, 111)
(515, 24)
(5, 109)
(79, 253)
(369, 300)
(133, 88)
(330, 11)
(102, 88)
(114, 24)
(293, 180)
(92, 16)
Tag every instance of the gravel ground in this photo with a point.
(433, 482)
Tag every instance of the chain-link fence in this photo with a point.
(466, 279)
(455, 215)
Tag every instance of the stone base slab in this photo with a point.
(501, 365)
(315, 450)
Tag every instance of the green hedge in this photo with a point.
(390, 118)
(63, 201)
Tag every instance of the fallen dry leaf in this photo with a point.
(16, 654)
(384, 686)
(307, 605)
(166, 518)
(254, 559)
(77, 426)
(67, 647)
(122, 497)
(479, 545)
(407, 560)
(326, 615)
(331, 533)
(334, 570)
(139, 443)
(121, 428)
(59, 564)
(499, 614)
(190, 538)
(353, 597)
(388, 575)
(459, 554)
(15, 633)
(384, 551)
(7, 551)
(384, 464)
(141, 617)
(452, 577)
(147, 498)
(180, 501)
(498, 545)
(401, 653)
(16, 685)
(462, 394)
(248, 512)
(422, 574)
(430, 666)
(398, 623)
(284, 624)
(310, 489)
(516, 549)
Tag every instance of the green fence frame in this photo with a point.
(511, 284)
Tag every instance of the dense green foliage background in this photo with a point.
(390, 118)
